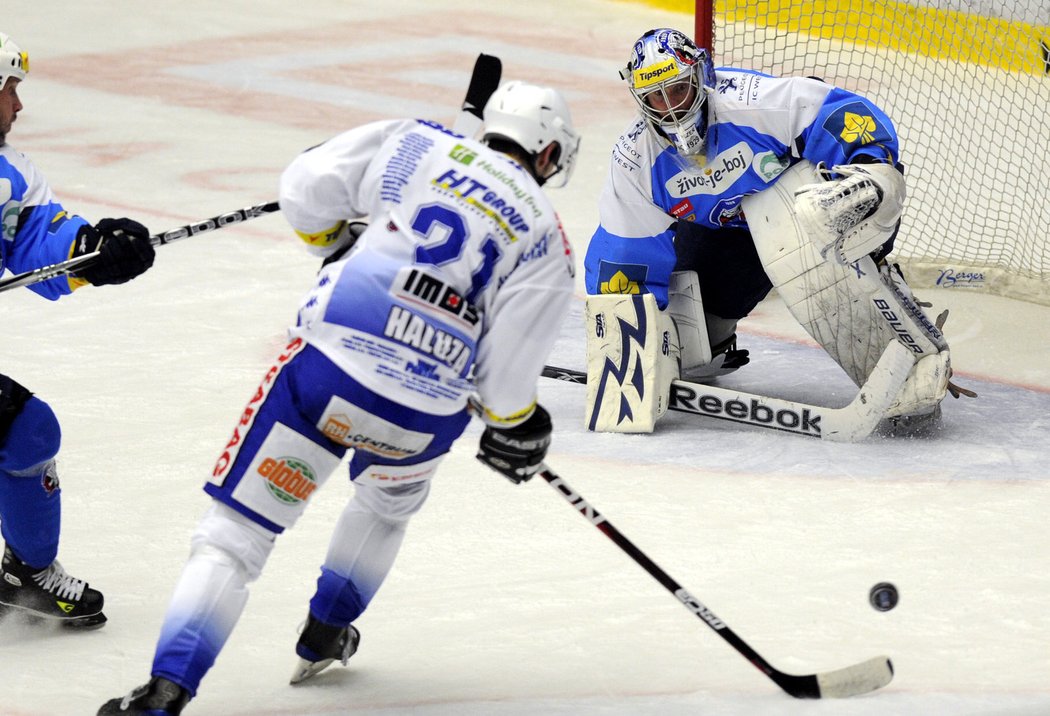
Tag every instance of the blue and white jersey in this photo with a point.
(37, 231)
(460, 282)
(759, 126)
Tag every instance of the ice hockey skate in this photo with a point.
(320, 644)
(726, 358)
(159, 697)
(49, 593)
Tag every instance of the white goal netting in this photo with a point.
(967, 84)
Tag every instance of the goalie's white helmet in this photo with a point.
(13, 62)
(533, 117)
(670, 78)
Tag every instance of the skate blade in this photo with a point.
(93, 621)
(307, 669)
(29, 616)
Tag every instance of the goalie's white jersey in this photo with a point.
(458, 285)
(759, 126)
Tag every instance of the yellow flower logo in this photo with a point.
(619, 283)
(858, 128)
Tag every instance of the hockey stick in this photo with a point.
(483, 82)
(183, 232)
(855, 421)
(849, 681)
(488, 69)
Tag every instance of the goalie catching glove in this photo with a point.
(851, 217)
(124, 252)
(517, 453)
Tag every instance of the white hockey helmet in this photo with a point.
(533, 117)
(13, 62)
(670, 78)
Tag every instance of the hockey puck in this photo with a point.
(883, 596)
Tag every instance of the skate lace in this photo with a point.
(55, 580)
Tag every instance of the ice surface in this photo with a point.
(503, 601)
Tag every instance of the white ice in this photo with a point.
(503, 600)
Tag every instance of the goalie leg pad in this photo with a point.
(686, 308)
(632, 357)
(853, 311)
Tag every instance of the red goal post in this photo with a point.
(969, 94)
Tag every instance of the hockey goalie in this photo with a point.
(726, 184)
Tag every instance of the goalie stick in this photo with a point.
(853, 680)
(853, 422)
(484, 81)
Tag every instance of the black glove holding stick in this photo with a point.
(517, 453)
(124, 251)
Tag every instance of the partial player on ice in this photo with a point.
(37, 231)
(454, 291)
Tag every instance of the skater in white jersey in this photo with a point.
(455, 289)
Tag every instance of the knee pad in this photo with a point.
(395, 503)
(33, 439)
(224, 529)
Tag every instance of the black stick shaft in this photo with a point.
(797, 686)
(215, 222)
(45, 273)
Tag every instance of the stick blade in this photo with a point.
(875, 396)
(855, 680)
(488, 70)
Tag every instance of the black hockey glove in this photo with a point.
(13, 397)
(350, 233)
(124, 251)
(516, 453)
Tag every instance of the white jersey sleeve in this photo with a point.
(323, 185)
(521, 325)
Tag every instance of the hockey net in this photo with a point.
(967, 83)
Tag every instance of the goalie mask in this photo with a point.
(670, 78)
(13, 62)
(533, 117)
